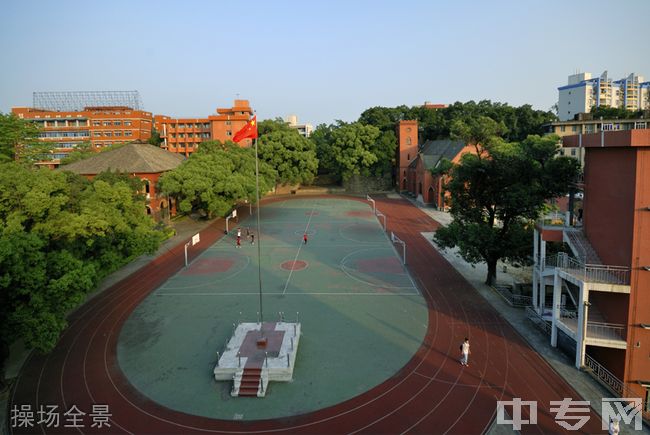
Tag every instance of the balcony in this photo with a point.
(598, 333)
(601, 277)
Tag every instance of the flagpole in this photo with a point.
(259, 236)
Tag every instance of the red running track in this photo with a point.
(433, 393)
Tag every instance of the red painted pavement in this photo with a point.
(433, 393)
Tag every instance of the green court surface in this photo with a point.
(362, 317)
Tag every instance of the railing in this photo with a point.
(613, 384)
(613, 331)
(590, 272)
(538, 320)
(576, 241)
(514, 300)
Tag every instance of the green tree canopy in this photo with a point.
(346, 149)
(216, 178)
(285, 150)
(19, 141)
(59, 235)
(496, 195)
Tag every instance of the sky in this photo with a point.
(320, 60)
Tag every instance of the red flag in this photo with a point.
(249, 130)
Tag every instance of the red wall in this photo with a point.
(407, 152)
(609, 202)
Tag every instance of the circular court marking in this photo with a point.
(294, 265)
(379, 269)
(206, 266)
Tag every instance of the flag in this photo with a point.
(249, 130)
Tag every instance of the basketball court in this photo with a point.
(361, 315)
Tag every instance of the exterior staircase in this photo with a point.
(581, 247)
(250, 382)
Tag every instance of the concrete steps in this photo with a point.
(250, 382)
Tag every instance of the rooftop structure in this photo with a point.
(80, 100)
(304, 129)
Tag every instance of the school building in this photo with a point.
(100, 126)
(591, 279)
(184, 135)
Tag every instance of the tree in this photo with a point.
(285, 150)
(59, 235)
(497, 194)
(215, 179)
(19, 141)
(352, 149)
(81, 151)
(155, 138)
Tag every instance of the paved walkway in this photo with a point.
(584, 384)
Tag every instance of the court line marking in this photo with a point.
(311, 214)
(344, 268)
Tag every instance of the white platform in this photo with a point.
(274, 367)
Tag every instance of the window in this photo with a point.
(408, 157)
(574, 128)
(228, 123)
(607, 127)
(97, 133)
(408, 130)
(408, 141)
(117, 133)
(562, 128)
(573, 152)
(128, 133)
(108, 133)
(97, 123)
(107, 123)
(117, 122)
(127, 123)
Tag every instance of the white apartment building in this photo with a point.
(304, 129)
(584, 92)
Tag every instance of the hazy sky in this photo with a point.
(321, 60)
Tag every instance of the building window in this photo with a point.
(574, 128)
(97, 133)
(107, 123)
(117, 133)
(408, 157)
(573, 152)
(128, 133)
(562, 128)
(108, 133)
(97, 123)
(408, 141)
(127, 123)
(117, 122)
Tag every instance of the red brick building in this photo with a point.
(143, 161)
(597, 296)
(407, 140)
(101, 126)
(183, 135)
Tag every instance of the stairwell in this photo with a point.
(582, 249)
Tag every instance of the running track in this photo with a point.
(431, 394)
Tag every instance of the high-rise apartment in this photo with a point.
(584, 92)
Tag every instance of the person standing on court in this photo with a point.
(304, 238)
(239, 241)
(252, 239)
(464, 350)
(238, 232)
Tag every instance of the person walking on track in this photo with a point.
(304, 238)
(464, 350)
(239, 241)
